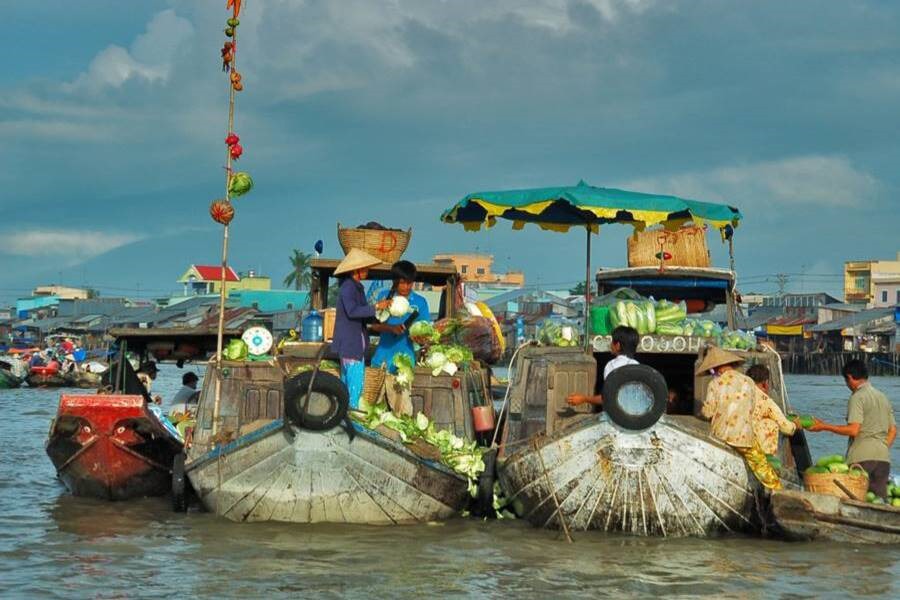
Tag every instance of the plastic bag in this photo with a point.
(475, 333)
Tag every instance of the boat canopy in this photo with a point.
(559, 208)
(673, 283)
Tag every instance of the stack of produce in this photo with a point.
(446, 358)
(464, 457)
(640, 315)
(834, 463)
(554, 334)
(893, 498)
(738, 340)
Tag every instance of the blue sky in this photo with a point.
(113, 117)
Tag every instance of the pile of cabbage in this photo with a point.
(399, 307)
(464, 457)
(554, 334)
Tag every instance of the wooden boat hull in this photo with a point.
(294, 475)
(8, 380)
(88, 381)
(111, 447)
(45, 380)
(809, 516)
(669, 480)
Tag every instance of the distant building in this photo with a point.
(270, 301)
(477, 268)
(812, 300)
(207, 279)
(874, 283)
(62, 292)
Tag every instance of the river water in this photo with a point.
(56, 546)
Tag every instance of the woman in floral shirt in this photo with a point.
(768, 420)
(729, 406)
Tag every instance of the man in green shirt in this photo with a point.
(870, 427)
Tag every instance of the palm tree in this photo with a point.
(301, 275)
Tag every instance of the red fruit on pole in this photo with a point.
(236, 151)
(232, 139)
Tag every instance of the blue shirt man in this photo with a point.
(390, 342)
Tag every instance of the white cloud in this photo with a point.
(68, 245)
(803, 180)
(151, 56)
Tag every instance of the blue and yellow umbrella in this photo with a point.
(587, 206)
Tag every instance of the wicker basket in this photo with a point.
(328, 316)
(824, 483)
(373, 385)
(685, 247)
(387, 245)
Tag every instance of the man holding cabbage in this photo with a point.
(406, 307)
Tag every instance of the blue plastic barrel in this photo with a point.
(312, 329)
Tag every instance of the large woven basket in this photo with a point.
(387, 245)
(373, 385)
(824, 483)
(685, 247)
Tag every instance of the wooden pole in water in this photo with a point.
(222, 280)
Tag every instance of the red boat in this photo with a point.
(45, 376)
(111, 447)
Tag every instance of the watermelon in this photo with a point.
(895, 502)
(830, 459)
(870, 496)
(839, 468)
(817, 470)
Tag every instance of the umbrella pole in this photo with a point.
(587, 291)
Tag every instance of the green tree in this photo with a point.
(300, 276)
(578, 290)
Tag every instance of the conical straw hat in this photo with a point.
(356, 259)
(716, 357)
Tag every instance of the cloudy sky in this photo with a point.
(113, 116)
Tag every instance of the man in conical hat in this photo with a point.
(352, 312)
(729, 407)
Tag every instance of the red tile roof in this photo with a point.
(214, 273)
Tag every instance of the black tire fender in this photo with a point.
(325, 385)
(483, 503)
(180, 484)
(646, 376)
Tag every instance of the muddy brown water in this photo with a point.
(55, 546)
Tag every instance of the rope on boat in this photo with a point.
(505, 405)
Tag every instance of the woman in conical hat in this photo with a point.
(729, 403)
(352, 312)
(715, 358)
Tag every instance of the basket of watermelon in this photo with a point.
(829, 471)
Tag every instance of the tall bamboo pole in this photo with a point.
(222, 281)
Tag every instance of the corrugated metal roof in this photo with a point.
(860, 318)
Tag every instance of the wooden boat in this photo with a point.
(45, 377)
(250, 459)
(804, 515)
(634, 469)
(114, 445)
(261, 466)
(84, 380)
(8, 380)
(111, 447)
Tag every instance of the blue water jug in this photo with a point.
(312, 329)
